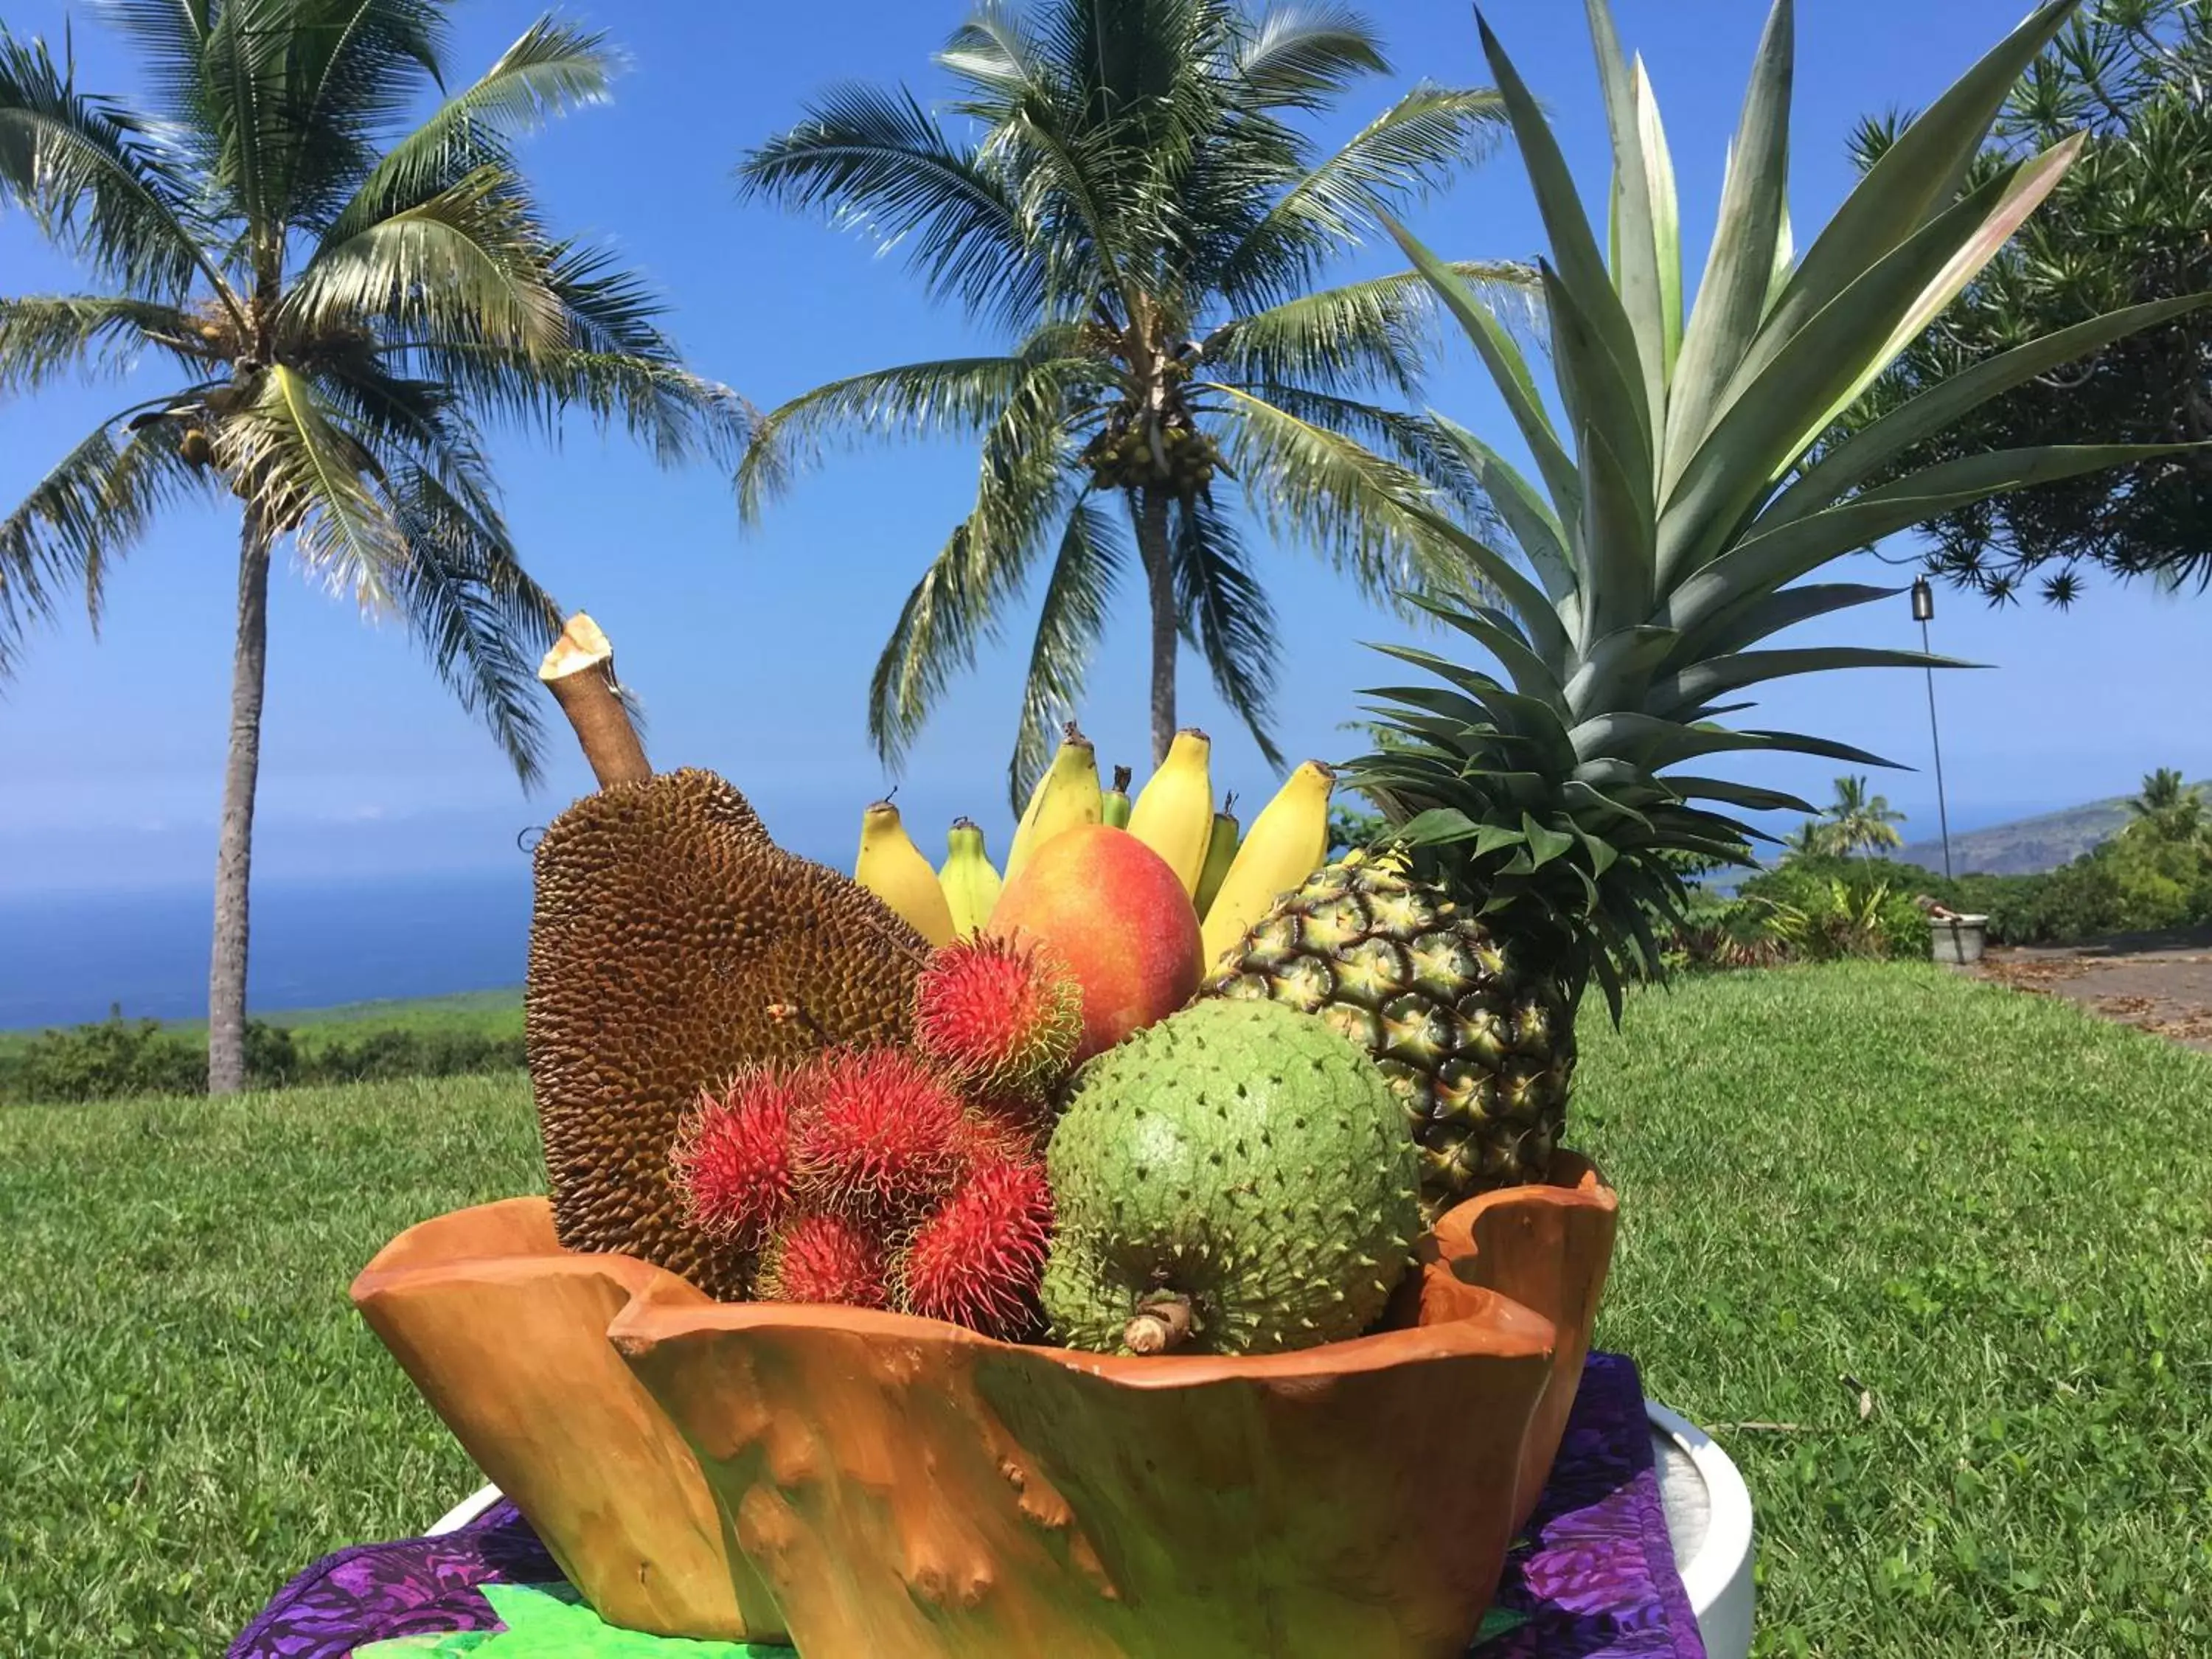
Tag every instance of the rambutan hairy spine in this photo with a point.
(879, 1136)
(824, 1258)
(733, 1156)
(976, 1262)
(1003, 1019)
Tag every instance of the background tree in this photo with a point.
(2167, 809)
(2131, 224)
(1138, 209)
(1857, 821)
(338, 298)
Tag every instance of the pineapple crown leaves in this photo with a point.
(1692, 487)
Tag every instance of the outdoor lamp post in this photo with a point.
(1923, 611)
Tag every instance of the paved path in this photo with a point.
(2158, 982)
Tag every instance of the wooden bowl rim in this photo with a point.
(665, 1307)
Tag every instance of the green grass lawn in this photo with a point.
(1990, 1211)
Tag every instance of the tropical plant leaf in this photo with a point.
(1228, 616)
(90, 510)
(1090, 562)
(1732, 295)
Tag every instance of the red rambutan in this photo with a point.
(879, 1136)
(824, 1258)
(733, 1156)
(1002, 1018)
(991, 1132)
(977, 1261)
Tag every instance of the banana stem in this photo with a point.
(579, 671)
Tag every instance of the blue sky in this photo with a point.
(753, 650)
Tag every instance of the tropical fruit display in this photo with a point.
(1131, 1086)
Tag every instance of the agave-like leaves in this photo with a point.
(1685, 491)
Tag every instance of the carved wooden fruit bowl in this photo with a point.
(870, 1484)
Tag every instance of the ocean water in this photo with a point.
(65, 957)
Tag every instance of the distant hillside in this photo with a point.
(2026, 845)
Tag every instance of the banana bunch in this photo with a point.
(1232, 879)
(1286, 843)
(969, 879)
(892, 868)
(1173, 814)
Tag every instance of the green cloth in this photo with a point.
(551, 1623)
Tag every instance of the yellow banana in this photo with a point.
(1220, 853)
(1066, 796)
(1115, 807)
(892, 868)
(1174, 814)
(1286, 844)
(968, 878)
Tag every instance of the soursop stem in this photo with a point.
(1162, 1325)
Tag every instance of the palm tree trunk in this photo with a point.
(1159, 580)
(234, 857)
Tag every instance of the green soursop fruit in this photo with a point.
(1239, 1161)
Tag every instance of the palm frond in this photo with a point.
(308, 473)
(615, 365)
(1091, 557)
(552, 68)
(471, 260)
(966, 396)
(483, 622)
(94, 180)
(88, 511)
(1305, 56)
(1327, 490)
(1413, 147)
(876, 161)
(1426, 445)
(45, 337)
(351, 72)
(172, 35)
(1021, 492)
(1385, 331)
(1227, 616)
(244, 58)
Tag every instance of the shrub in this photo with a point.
(1822, 907)
(116, 1057)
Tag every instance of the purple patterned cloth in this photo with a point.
(1593, 1579)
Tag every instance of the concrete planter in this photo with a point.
(1957, 941)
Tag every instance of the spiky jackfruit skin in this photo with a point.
(1242, 1156)
(671, 943)
(1479, 1046)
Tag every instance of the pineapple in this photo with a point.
(1479, 1046)
(1696, 481)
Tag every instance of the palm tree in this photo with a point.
(1808, 839)
(2168, 808)
(340, 299)
(1129, 197)
(1856, 822)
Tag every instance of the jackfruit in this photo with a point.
(672, 942)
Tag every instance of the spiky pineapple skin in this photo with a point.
(1477, 1044)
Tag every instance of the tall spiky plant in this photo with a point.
(1668, 542)
(336, 295)
(1683, 498)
